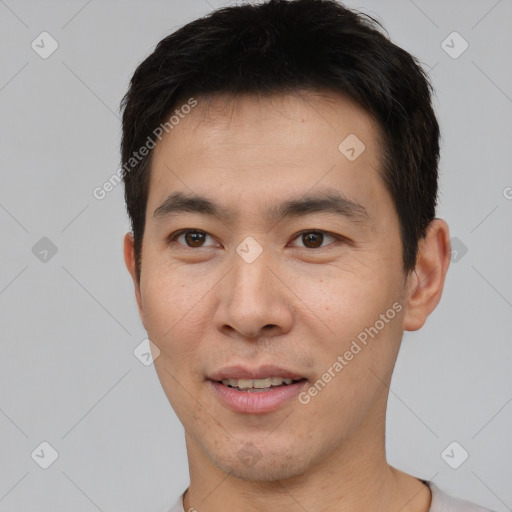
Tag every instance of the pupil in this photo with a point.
(315, 238)
(194, 238)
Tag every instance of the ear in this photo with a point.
(425, 284)
(129, 259)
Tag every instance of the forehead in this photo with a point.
(221, 118)
(261, 146)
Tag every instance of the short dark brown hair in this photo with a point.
(284, 46)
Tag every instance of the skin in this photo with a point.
(297, 305)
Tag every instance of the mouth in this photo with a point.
(258, 385)
(255, 392)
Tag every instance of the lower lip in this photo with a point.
(257, 402)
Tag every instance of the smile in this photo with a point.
(257, 385)
(256, 396)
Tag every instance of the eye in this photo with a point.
(313, 239)
(191, 238)
(195, 239)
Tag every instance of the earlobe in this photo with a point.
(425, 283)
(130, 261)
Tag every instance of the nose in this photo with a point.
(254, 301)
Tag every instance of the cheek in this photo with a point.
(173, 309)
(355, 359)
(361, 322)
(175, 319)
(345, 300)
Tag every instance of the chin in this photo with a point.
(261, 463)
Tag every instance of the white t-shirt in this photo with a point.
(441, 502)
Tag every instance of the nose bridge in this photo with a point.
(252, 298)
(251, 287)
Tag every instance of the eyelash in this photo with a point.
(173, 236)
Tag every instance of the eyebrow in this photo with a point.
(330, 202)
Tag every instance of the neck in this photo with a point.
(354, 477)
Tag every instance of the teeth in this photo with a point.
(256, 383)
(262, 383)
(245, 383)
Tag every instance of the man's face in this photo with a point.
(216, 307)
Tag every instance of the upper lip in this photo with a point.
(261, 372)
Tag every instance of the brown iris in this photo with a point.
(314, 238)
(194, 238)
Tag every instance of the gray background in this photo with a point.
(69, 324)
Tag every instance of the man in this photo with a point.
(280, 167)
